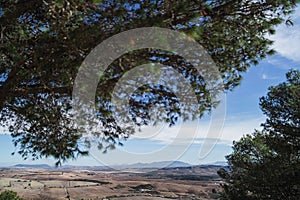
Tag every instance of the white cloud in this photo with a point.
(287, 39)
(265, 76)
(234, 128)
(279, 62)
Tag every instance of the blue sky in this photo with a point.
(242, 116)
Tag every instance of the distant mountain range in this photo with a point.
(42, 166)
(163, 164)
(220, 163)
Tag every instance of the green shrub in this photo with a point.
(9, 195)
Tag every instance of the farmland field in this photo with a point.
(197, 182)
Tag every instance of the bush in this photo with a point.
(9, 195)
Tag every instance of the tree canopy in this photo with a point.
(43, 43)
(266, 164)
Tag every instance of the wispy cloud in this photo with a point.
(234, 128)
(265, 76)
(287, 39)
(280, 62)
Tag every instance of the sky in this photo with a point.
(199, 142)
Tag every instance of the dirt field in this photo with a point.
(179, 183)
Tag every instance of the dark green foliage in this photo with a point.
(43, 43)
(9, 195)
(266, 164)
(92, 181)
(282, 106)
(143, 186)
